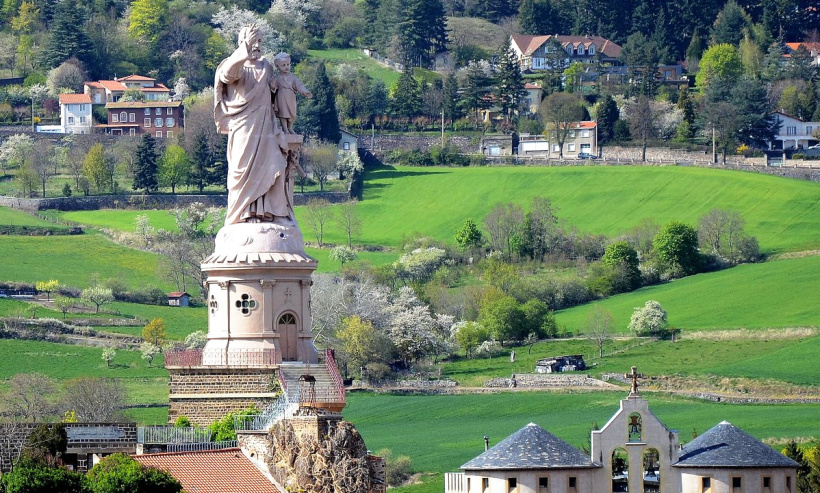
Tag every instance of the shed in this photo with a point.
(178, 298)
(349, 141)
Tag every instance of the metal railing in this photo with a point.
(333, 371)
(275, 411)
(197, 447)
(220, 357)
(170, 434)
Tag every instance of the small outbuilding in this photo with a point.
(178, 298)
(557, 364)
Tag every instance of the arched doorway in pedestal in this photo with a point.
(288, 340)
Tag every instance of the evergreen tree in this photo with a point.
(640, 54)
(145, 165)
(67, 37)
(730, 24)
(203, 161)
(537, 17)
(376, 101)
(756, 125)
(687, 106)
(450, 98)
(696, 48)
(509, 83)
(319, 117)
(607, 116)
(556, 60)
(477, 86)
(406, 97)
(219, 173)
(422, 31)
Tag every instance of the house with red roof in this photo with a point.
(75, 116)
(110, 91)
(212, 471)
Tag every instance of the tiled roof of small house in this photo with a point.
(112, 85)
(135, 77)
(531, 447)
(528, 43)
(144, 104)
(75, 99)
(727, 446)
(178, 294)
(212, 471)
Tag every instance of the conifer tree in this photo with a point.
(145, 165)
(319, 117)
(607, 116)
(203, 161)
(450, 98)
(509, 83)
(66, 36)
(406, 97)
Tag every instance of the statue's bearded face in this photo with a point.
(255, 45)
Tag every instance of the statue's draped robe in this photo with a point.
(257, 166)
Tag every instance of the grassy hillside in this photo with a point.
(357, 59)
(440, 432)
(777, 293)
(12, 217)
(784, 214)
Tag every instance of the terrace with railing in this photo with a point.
(269, 416)
(182, 439)
(221, 357)
(338, 382)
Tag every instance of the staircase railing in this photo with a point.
(333, 371)
(270, 415)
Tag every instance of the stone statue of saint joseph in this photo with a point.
(258, 175)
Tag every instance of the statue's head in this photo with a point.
(282, 62)
(251, 36)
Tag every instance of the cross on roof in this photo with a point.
(634, 375)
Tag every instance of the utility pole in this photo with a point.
(714, 154)
(442, 128)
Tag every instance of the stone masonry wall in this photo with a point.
(203, 412)
(222, 381)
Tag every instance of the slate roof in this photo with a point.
(531, 447)
(213, 471)
(727, 446)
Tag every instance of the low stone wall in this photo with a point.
(125, 201)
(383, 143)
(540, 380)
(222, 380)
(406, 384)
(203, 412)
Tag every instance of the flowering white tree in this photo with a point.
(649, 319)
(181, 89)
(420, 263)
(294, 12)
(15, 149)
(229, 22)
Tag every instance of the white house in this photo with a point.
(634, 451)
(75, 116)
(110, 91)
(533, 52)
(581, 138)
(794, 133)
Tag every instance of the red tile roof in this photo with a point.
(528, 44)
(112, 85)
(212, 471)
(144, 104)
(178, 294)
(156, 88)
(95, 85)
(135, 77)
(75, 99)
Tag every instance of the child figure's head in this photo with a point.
(282, 62)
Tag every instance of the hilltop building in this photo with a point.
(110, 91)
(535, 52)
(634, 451)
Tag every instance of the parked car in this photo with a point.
(586, 155)
(815, 146)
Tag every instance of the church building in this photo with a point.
(634, 452)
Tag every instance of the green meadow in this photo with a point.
(777, 293)
(357, 59)
(784, 214)
(120, 220)
(13, 217)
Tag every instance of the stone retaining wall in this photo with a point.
(222, 381)
(125, 201)
(203, 412)
(539, 380)
(383, 143)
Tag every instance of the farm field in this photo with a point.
(784, 214)
(784, 359)
(776, 293)
(442, 432)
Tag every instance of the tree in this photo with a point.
(94, 399)
(649, 319)
(175, 167)
(47, 443)
(68, 75)
(97, 295)
(469, 335)
(451, 98)
(537, 319)
(622, 257)
(509, 83)
(196, 340)
(641, 118)
(361, 343)
(676, 245)
(721, 233)
(476, 88)
(343, 254)
(502, 317)
(347, 216)
(201, 172)
(149, 351)
(96, 167)
(541, 230)
(720, 61)
(108, 355)
(421, 30)
(320, 161)
(29, 396)
(723, 119)
(561, 112)
(145, 166)
(67, 37)
(599, 327)
(607, 115)
(405, 98)
(319, 117)
(641, 55)
(469, 236)
(504, 223)
(64, 304)
(730, 24)
(147, 19)
(47, 287)
(15, 149)
(119, 472)
(35, 476)
(154, 332)
(319, 213)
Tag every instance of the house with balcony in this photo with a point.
(110, 91)
(162, 119)
(793, 133)
(582, 139)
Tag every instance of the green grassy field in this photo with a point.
(356, 58)
(73, 259)
(13, 217)
(786, 360)
(784, 214)
(120, 220)
(442, 432)
(179, 321)
(777, 293)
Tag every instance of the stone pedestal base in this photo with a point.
(205, 394)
